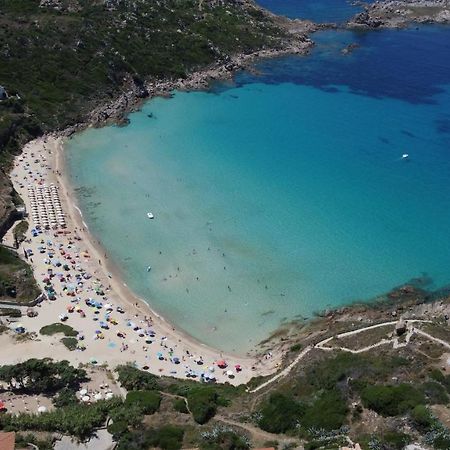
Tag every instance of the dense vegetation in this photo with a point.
(331, 395)
(37, 376)
(57, 63)
(16, 278)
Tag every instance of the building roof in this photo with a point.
(7, 441)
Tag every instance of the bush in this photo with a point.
(70, 343)
(65, 397)
(179, 405)
(280, 414)
(148, 401)
(77, 420)
(54, 328)
(435, 393)
(391, 400)
(133, 379)
(168, 437)
(328, 412)
(395, 441)
(202, 403)
(223, 439)
(11, 312)
(37, 376)
(117, 429)
(422, 418)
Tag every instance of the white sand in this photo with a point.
(43, 158)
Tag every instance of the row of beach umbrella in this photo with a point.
(46, 209)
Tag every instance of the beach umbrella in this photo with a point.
(85, 398)
(238, 367)
(109, 395)
(160, 356)
(98, 396)
(230, 373)
(222, 364)
(176, 360)
(83, 392)
(42, 409)
(211, 369)
(93, 360)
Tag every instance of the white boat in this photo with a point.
(150, 215)
(405, 156)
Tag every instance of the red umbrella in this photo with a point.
(222, 364)
(2, 406)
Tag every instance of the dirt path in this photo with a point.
(322, 345)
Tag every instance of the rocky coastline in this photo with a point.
(401, 13)
(136, 91)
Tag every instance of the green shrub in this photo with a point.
(37, 376)
(11, 312)
(296, 347)
(168, 437)
(179, 405)
(438, 376)
(395, 440)
(202, 403)
(422, 418)
(78, 420)
(280, 414)
(54, 328)
(390, 400)
(133, 379)
(435, 393)
(70, 343)
(117, 429)
(328, 412)
(65, 397)
(223, 439)
(148, 401)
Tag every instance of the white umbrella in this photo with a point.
(83, 392)
(42, 409)
(230, 373)
(98, 396)
(86, 398)
(109, 395)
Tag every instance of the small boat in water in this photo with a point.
(405, 156)
(150, 215)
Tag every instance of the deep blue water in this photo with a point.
(322, 11)
(281, 194)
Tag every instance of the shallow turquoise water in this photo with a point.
(283, 194)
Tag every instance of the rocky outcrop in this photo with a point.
(400, 13)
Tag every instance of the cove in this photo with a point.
(282, 194)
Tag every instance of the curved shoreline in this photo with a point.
(117, 278)
(104, 271)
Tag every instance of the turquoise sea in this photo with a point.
(280, 194)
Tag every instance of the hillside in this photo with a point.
(63, 59)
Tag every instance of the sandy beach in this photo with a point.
(88, 292)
